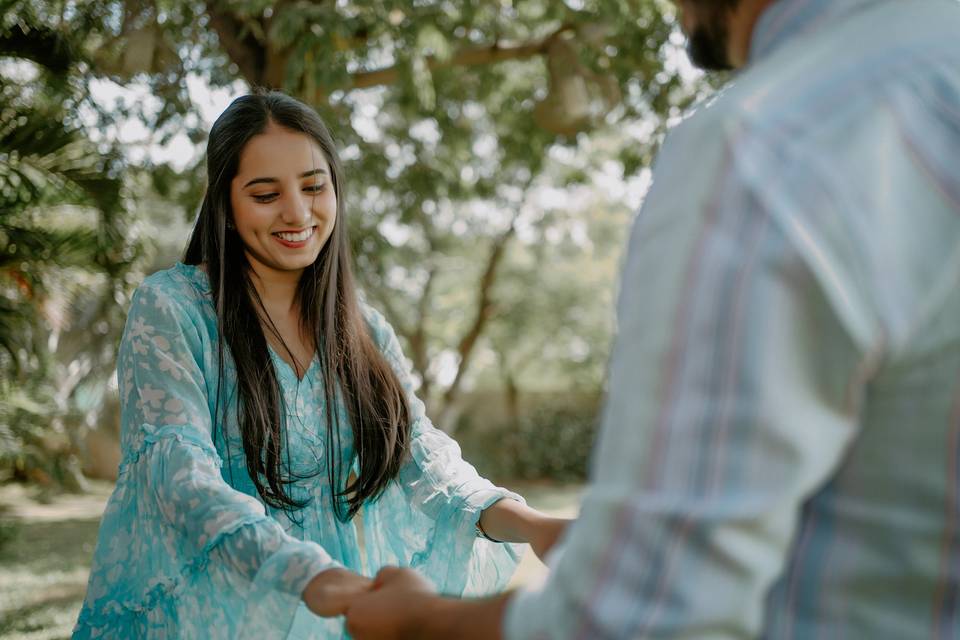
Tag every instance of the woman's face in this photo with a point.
(284, 206)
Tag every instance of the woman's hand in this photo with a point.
(331, 591)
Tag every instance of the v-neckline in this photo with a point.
(289, 367)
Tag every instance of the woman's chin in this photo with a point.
(292, 262)
(296, 263)
(276, 257)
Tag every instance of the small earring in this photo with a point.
(230, 226)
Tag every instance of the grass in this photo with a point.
(45, 560)
(46, 546)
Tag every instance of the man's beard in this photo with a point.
(707, 43)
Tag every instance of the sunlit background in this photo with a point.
(495, 153)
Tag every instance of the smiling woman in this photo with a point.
(282, 208)
(264, 406)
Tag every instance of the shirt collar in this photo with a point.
(787, 18)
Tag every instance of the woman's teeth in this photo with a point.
(296, 237)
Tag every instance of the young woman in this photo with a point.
(263, 407)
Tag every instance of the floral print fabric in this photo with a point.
(186, 547)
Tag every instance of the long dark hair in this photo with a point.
(350, 361)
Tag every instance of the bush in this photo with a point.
(551, 440)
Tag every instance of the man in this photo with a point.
(780, 453)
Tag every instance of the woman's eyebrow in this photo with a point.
(305, 174)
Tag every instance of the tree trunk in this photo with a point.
(449, 410)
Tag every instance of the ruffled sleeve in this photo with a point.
(427, 521)
(180, 552)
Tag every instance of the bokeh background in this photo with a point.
(495, 151)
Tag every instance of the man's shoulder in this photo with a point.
(840, 68)
(818, 90)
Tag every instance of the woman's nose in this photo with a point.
(296, 211)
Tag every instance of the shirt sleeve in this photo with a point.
(734, 392)
(175, 532)
(447, 493)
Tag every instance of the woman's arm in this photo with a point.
(512, 521)
(437, 502)
(437, 474)
(175, 472)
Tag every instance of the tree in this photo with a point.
(447, 113)
(64, 250)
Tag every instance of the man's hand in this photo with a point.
(330, 591)
(391, 610)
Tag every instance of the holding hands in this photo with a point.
(392, 610)
(402, 606)
(331, 591)
(398, 603)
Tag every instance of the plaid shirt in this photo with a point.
(780, 451)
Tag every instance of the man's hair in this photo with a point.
(707, 45)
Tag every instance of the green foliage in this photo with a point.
(447, 112)
(31, 448)
(550, 440)
(64, 252)
(452, 118)
(555, 299)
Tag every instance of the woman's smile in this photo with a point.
(295, 239)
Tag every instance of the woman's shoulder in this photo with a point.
(380, 329)
(182, 286)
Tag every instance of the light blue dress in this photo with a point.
(188, 550)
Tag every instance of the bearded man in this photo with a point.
(780, 448)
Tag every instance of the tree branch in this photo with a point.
(418, 339)
(485, 309)
(247, 53)
(471, 57)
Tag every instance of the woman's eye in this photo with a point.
(270, 197)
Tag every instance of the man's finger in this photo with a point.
(385, 575)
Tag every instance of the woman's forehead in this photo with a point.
(280, 153)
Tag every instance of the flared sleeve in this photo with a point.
(427, 519)
(181, 553)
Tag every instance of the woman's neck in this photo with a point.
(277, 289)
